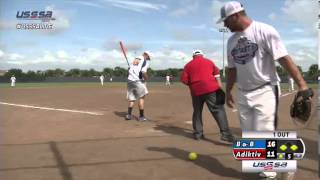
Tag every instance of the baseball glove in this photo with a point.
(301, 106)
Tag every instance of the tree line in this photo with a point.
(107, 72)
(310, 75)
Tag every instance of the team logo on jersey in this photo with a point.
(244, 51)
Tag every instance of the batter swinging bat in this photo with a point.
(124, 52)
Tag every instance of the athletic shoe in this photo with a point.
(198, 136)
(128, 117)
(142, 119)
(227, 137)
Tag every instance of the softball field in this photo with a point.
(78, 132)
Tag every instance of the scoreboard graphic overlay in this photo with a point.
(276, 151)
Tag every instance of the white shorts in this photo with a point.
(258, 109)
(136, 90)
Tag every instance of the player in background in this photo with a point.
(136, 87)
(203, 78)
(101, 79)
(171, 79)
(167, 80)
(252, 51)
(13, 81)
(278, 84)
(291, 84)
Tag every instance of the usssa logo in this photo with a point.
(267, 165)
(35, 15)
(270, 165)
(44, 16)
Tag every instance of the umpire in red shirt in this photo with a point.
(203, 79)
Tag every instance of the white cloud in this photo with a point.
(1, 53)
(187, 7)
(8, 24)
(61, 22)
(180, 12)
(307, 42)
(184, 35)
(169, 58)
(166, 57)
(90, 58)
(303, 51)
(10, 59)
(10, 56)
(138, 6)
(302, 11)
(272, 16)
(297, 30)
(302, 55)
(61, 54)
(114, 44)
(15, 62)
(14, 56)
(200, 27)
(47, 57)
(304, 58)
(91, 4)
(216, 6)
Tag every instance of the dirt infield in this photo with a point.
(45, 140)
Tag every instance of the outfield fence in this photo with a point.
(107, 79)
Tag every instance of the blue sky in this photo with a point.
(86, 34)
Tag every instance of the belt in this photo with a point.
(130, 81)
(268, 83)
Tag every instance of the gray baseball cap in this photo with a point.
(229, 9)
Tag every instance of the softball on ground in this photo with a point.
(193, 156)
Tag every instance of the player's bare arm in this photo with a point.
(185, 78)
(231, 79)
(145, 76)
(287, 63)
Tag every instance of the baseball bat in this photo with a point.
(124, 52)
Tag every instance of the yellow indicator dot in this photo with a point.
(280, 156)
(283, 147)
(294, 147)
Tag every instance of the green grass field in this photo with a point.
(62, 84)
(284, 86)
(77, 84)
